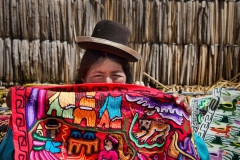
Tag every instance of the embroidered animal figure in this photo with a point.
(149, 127)
(217, 155)
(224, 130)
(165, 110)
(235, 144)
(228, 106)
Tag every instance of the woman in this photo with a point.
(111, 147)
(106, 60)
(107, 56)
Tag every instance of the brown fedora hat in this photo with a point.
(111, 37)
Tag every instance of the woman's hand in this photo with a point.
(181, 99)
(139, 83)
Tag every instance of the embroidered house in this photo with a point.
(63, 103)
(86, 110)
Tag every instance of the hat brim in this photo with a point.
(109, 47)
(53, 127)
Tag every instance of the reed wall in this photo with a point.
(181, 42)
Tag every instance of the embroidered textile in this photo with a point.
(220, 127)
(99, 121)
(199, 109)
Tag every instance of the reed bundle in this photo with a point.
(181, 42)
(35, 61)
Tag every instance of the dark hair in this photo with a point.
(92, 57)
(115, 146)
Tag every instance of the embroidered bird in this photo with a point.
(224, 130)
(229, 106)
(235, 144)
(237, 121)
(217, 155)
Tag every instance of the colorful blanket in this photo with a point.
(99, 121)
(220, 127)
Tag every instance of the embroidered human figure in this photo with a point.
(44, 145)
(111, 146)
(52, 127)
(110, 112)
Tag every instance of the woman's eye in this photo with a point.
(97, 76)
(117, 75)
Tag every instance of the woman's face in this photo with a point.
(108, 145)
(107, 71)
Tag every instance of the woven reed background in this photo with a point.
(181, 42)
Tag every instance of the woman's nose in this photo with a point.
(109, 80)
